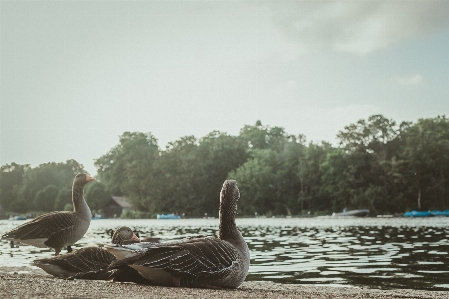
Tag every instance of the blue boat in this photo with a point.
(168, 216)
(418, 214)
(444, 213)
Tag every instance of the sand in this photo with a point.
(34, 283)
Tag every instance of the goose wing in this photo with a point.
(44, 226)
(88, 263)
(82, 260)
(195, 261)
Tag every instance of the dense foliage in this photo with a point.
(378, 165)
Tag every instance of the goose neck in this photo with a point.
(77, 197)
(227, 226)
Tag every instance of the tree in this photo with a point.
(97, 196)
(336, 179)
(45, 198)
(216, 155)
(371, 147)
(256, 181)
(263, 137)
(426, 151)
(175, 178)
(128, 167)
(11, 178)
(64, 197)
(379, 164)
(310, 175)
(20, 206)
(58, 174)
(269, 180)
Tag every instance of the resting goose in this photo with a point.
(86, 263)
(194, 262)
(142, 239)
(124, 235)
(57, 229)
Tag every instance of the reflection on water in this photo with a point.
(369, 252)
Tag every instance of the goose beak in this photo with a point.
(89, 178)
(135, 238)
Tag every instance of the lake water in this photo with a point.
(361, 252)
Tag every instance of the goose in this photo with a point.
(123, 235)
(142, 239)
(57, 229)
(89, 262)
(211, 262)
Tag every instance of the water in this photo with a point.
(360, 252)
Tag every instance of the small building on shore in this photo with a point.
(116, 206)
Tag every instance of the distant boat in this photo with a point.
(18, 218)
(418, 214)
(168, 216)
(444, 213)
(433, 213)
(385, 216)
(352, 213)
(98, 217)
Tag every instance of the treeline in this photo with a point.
(378, 165)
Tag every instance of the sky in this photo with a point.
(75, 75)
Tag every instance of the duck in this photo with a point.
(57, 229)
(209, 262)
(90, 262)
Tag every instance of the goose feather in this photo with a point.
(91, 262)
(57, 229)
(194, 262)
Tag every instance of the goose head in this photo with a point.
(124, 235)
(82, 179)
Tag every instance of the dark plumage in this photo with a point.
(86, 263)
(143, 239)
(57, 229)
(194, 262)
(124, 234)
(91, 262)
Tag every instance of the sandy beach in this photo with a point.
(25, 282)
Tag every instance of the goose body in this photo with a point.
(86, 263)
(89, 262)
(57, 229)
(194, 262)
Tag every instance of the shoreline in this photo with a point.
(23, 282)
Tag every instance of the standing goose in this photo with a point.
(88, 262)
(57, 229)
(195, 262)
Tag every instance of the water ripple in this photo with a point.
(367, 252)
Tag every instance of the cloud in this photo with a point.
(412, 80)
(358, 27)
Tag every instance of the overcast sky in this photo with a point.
(77, 74)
